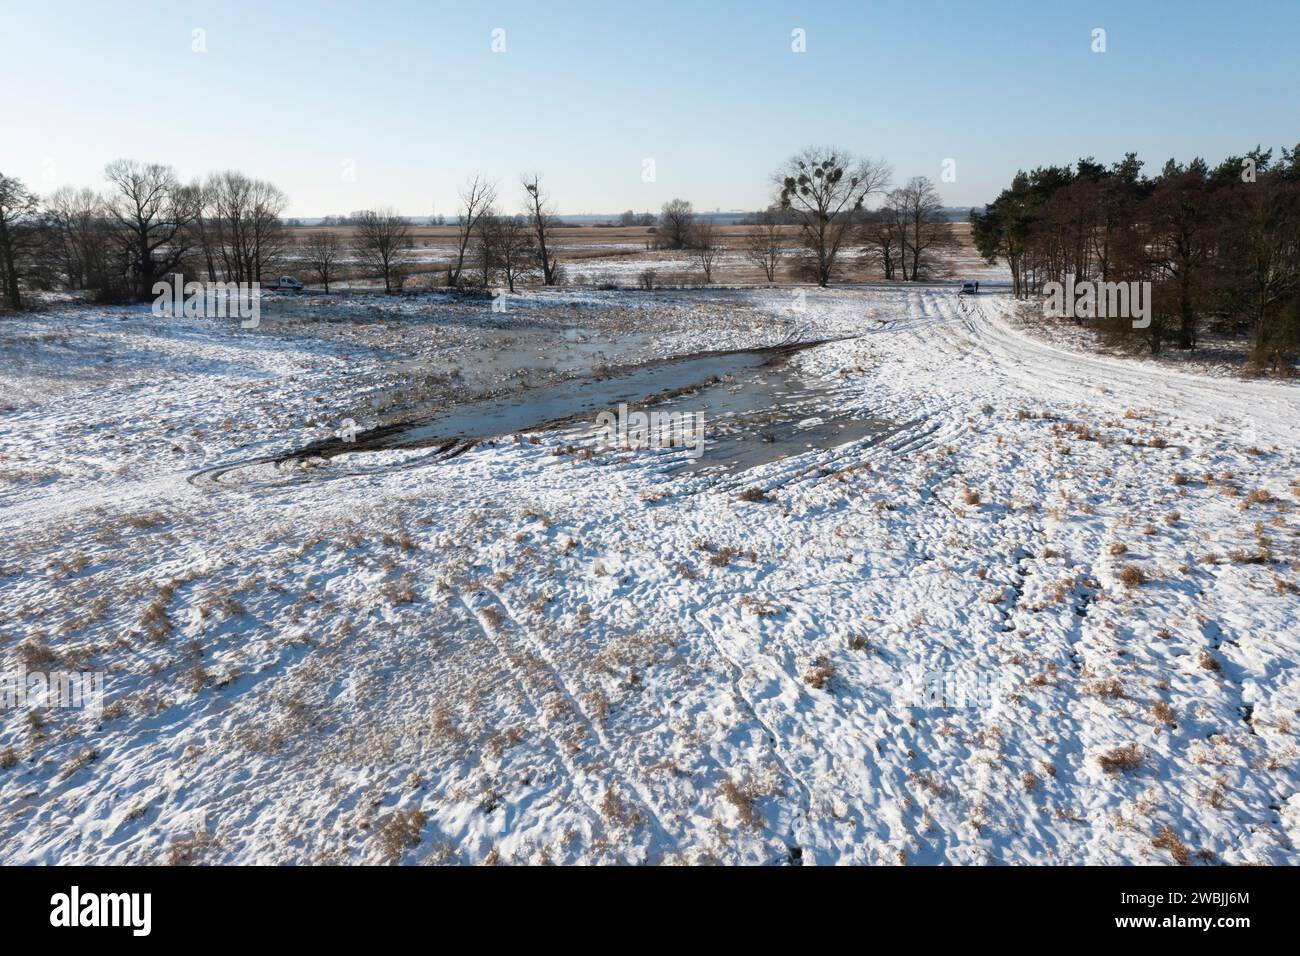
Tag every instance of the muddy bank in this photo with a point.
(756, 408)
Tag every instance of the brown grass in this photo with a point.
(742, 797)
(1111, 689)
(1164, 713)
(1131, 576)
(821, 674)
(186, 850)
(1166, 839)
(149, 521)
(1121, 760)
(619, 811)
(399, 830)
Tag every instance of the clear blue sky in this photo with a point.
(412, 94)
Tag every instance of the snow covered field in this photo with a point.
(1051, 616)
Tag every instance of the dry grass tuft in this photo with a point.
(743, 798)
(1121, 760)
(35, 655)
(1164, 713)
(148, 521)
(1131, 576)
(1167, 839)
(821, 674)
(186, 850)
(618, 811)
(399, 830)
(401, 591)
(1112, 689)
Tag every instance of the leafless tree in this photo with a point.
(824, 190)
(541, 217)
(241, 232)
(381, 236)
(18, 235)
(762, 243)
(76, 220)
(925, 230)
(706, 249)
(676, 220)
(321, 251)
(477, 200)
(505, 244)
(153, 214)
(882, 239)
(486, 247)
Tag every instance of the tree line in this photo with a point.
(146, 223)
(1220, 245)
(818, 222)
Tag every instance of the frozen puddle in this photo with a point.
(758, 415)
(755, 408)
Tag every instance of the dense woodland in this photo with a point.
(1220, 245)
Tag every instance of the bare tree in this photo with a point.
(676, 221)
(706, 249)
(380, 238)
(486, 247)
(918, 210)
(762, 243)
(240, 229)
(18, 235)
(153, 214)
(541, 216)
(823, 190)
(882, 240)
(76, 220)
(321, 251)
(477, 200)
(510, 245)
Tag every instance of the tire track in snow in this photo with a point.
(592, 729)
(576, 778)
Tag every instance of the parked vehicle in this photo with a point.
(288, 284)
(969, 288)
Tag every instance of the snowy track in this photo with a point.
(921, 649)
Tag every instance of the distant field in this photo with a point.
(619, 255)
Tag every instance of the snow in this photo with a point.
(559, 658)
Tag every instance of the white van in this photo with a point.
(288, 284)
(969, 288)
